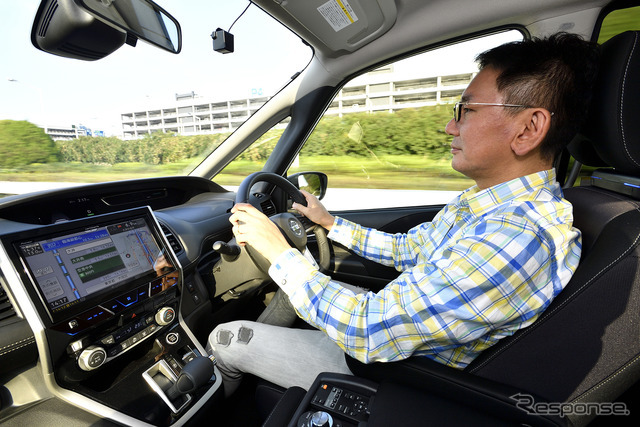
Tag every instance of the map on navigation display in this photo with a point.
(69, 268)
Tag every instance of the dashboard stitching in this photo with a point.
(16, 345)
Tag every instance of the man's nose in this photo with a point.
(452, 128)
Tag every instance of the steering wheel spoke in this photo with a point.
(294, 227)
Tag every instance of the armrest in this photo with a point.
(428, 376)
(283, 412)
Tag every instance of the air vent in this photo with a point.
(268, 208)
(44, 24)
(6, 309)
(173, 240)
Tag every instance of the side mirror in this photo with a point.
(92, 29)
(311, 182)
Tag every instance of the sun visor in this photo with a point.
(342, 25)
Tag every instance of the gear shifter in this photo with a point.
(194, 375)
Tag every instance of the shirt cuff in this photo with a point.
(290, 270)
(341, 231)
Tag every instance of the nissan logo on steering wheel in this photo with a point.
(295, 227)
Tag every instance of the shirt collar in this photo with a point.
(479, 201)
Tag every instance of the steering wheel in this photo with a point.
(290, 225)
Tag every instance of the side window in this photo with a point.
(382, 141)
(619, 21)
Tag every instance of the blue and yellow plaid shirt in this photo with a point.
(487, 265)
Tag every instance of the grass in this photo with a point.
(87, 172)
(392, 172)
(389, 172)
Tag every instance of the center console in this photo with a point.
(416, 393)
(337, 400)
(102, 295)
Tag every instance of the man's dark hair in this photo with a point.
(556, 73)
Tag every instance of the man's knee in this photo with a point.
(229, 334)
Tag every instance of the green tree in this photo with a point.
(412, 131)
(23, 143)
(418, 131)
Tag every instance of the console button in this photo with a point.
(143, 292)
(129, 298)
(73, 324)
(114, 306)
(92, 358)
(190, 287)
(93, 316)
(156, 287)
(174, 364)
(108, 340)
(172, 338)
(165, 315)
(76, 346)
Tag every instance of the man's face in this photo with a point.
(481, 145)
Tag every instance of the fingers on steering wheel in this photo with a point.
(246, 211)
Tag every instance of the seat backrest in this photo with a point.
(586, 346)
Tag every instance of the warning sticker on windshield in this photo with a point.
(338, 13)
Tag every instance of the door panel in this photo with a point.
(355, 270)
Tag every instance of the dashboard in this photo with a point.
(113, 281)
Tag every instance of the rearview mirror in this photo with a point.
(142, 18)
(93, 29)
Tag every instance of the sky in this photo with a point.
(53, 91)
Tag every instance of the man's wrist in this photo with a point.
(290, 269)
(277, 250)
(328, 222)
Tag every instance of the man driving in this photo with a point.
(487, 265)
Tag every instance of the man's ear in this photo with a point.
(535, 126)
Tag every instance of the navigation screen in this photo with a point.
(72, 267)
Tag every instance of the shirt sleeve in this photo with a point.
(395, 250)
(499, 278)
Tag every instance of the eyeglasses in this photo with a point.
(457, 107)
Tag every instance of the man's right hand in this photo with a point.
(315, 211)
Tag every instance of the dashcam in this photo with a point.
(222, 41)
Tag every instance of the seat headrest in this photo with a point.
(613, 125)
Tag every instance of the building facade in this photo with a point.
(381, 90)
(64, 133)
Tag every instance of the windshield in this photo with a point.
(139, 112)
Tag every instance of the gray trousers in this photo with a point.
(271, 350)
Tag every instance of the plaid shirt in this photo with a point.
(487, 265)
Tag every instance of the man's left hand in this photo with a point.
(252, 227)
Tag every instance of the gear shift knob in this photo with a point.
(194, 375)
